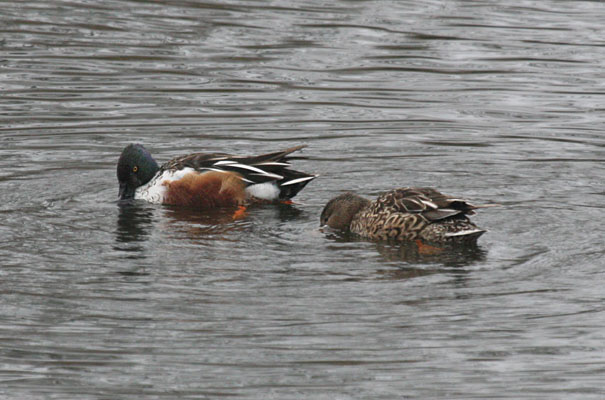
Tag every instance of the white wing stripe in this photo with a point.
(262, 173)
(270, 175)
(248, 167)
(298, 180)
(214, 169)
(225, 162)
(274, 164)
(429, 203)
(464, 233)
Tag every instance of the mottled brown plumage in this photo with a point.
(404, 214)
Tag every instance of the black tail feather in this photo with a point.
(287, 191)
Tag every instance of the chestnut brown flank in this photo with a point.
(206, 190)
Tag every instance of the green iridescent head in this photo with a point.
(136, 167)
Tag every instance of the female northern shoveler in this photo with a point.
(209, 180)
(404, 214)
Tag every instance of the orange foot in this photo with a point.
(427, 249)
(240, 213)
(288, 202)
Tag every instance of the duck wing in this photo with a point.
(270, 167)
(428, 202)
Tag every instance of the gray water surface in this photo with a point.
(494, 101)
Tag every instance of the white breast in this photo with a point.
(155, 190)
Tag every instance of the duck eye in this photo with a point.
(135, 168)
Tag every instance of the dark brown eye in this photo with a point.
(135, 168)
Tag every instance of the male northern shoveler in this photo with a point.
(209, 180)
(404, 214)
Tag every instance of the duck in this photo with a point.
(404, 214)
(209, 180)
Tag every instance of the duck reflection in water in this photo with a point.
(409, 252)
(448, 256)
(223, 223)
(134, 222)
(216, 224)
(133, 229)
(137, 220)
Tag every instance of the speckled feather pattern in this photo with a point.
(416, 213)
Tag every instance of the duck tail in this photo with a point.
(292, 183)
(468, 235)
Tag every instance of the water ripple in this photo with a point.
(495, 102)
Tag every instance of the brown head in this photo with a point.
(339, 211)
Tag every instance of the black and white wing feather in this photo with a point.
(253, 170)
